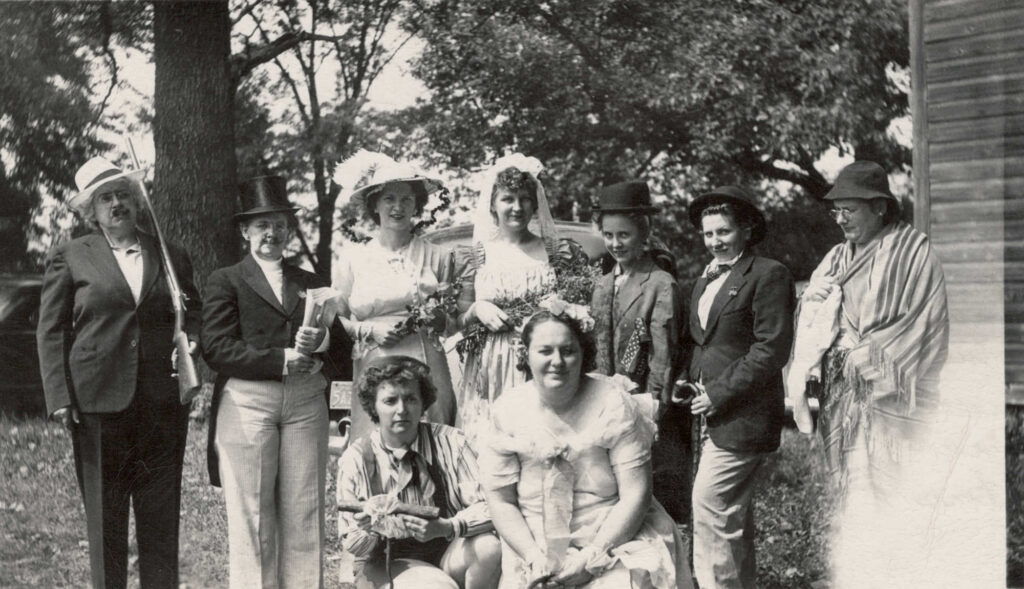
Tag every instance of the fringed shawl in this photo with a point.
(904, 321)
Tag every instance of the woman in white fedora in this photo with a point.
(105, 341)
(377, 280)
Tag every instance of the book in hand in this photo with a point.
(319, 311)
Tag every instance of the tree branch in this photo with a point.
(252, 57)
(108, 31)
(815, 184)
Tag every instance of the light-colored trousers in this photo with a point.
(272, 442)
(723, 518)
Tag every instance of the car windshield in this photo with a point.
(19, 303)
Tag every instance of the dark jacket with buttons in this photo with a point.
(95, 343)
(740, 353)
(246, 331)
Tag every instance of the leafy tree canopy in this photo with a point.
(686, 94)
(59, 73)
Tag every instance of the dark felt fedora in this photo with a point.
(263, 194)
(739, 198)
(861, 180)
(626, 197)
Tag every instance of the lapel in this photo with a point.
(735, 280)
(290, 289)
(253, 275)
(632, 290)
(102, 258)
(151, 263)
(698, 290)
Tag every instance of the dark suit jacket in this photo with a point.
(741, 353)
(94, 342)
(651, 296)
(246, 330)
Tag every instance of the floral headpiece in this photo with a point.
(566, 310)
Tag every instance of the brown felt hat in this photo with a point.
(861, 180)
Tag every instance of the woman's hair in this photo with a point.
(396, 373)
(418, 190)
(588, 347)
(641, 220)
(738, 216)
(515, 180)
(88, 210)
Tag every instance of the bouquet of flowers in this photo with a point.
(574, 284)
(432, 312)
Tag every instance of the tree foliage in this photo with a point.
(322, 58)
(59, 72)
(687, 94)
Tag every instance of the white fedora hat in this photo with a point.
(367, 170)
(95, 173)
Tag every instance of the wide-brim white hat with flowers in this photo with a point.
(95, 173)
(367, 170)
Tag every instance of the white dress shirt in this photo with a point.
(711, 290)
(129, 259)
(274, 271)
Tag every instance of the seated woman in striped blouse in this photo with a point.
(405, 462)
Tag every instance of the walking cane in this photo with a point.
(188, 377)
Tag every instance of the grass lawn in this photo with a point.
(42, 520)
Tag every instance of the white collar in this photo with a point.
(137, 245)
(730, 263)
(268, 266)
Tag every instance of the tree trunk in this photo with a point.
(196, 179)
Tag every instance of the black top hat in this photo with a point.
(626, 197)
(739, 198)
(263, 194)
(863, 180)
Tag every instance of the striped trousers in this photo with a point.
(272, 441)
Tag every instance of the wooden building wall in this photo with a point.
(968, 107)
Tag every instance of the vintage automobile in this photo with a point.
(21, 388)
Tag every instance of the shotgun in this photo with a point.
(188, 377)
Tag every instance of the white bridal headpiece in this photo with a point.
(484, 226)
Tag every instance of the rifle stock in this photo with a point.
(188, 376)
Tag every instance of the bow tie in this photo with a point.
(717, 271)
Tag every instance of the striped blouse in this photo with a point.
(445, 451)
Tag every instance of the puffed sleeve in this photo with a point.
(342, 278)
(499, 453)
(466, 259)
(629, 428)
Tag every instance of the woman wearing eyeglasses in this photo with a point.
(873, 329)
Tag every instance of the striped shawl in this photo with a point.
(904, 321)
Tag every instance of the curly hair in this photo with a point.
(515, 180)
(399, 372)
(373, 195)
(641, 220)
(738, 216)
(587, 344)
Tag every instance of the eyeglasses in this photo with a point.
(838, 213)
(120, 195)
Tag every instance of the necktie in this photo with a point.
(717, 271)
